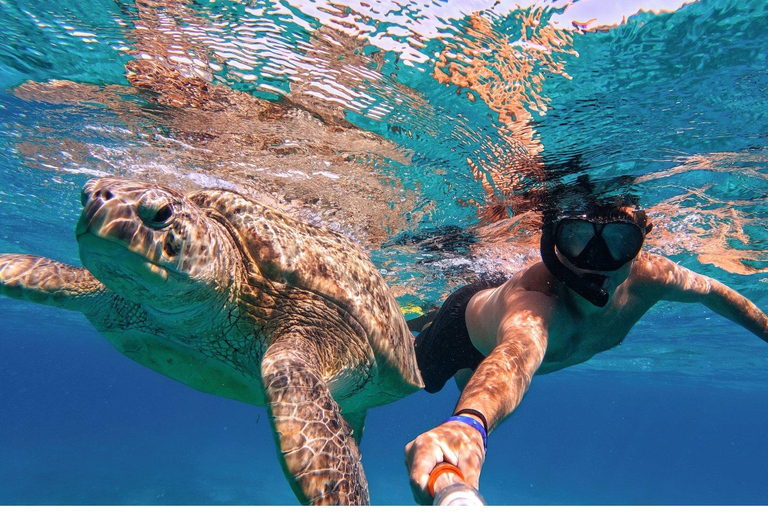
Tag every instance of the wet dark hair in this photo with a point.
(583, 197)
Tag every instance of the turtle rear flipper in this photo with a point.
(317, 450)
(356, 422)
(49, 282)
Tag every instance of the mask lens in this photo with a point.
(623, 240)
(572, 237)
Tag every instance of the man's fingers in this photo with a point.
(456, 443)
(421, 456)
(419, 480)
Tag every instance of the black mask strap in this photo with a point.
(589, 286)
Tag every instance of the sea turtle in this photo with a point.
(238, 299)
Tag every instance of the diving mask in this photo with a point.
(598, 245)
(590, 244)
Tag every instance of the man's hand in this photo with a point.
(454, 442)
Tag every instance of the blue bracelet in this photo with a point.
(472, 422)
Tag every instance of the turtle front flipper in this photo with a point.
(317, 450)
(49, 282)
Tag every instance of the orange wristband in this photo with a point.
(439, 470)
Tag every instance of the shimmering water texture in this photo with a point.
(429, 133)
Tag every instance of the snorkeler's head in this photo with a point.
(597, 238)
(601, 241)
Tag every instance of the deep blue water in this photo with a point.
(671, 107)
(83, 424)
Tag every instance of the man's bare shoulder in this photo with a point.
(533, 289)
(653, 269)
(533, 281)
(535, 278)
(657, 276)
(526, 300)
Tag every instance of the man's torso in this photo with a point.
(575, 331)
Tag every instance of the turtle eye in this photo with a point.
(163, 215)
(156, 216)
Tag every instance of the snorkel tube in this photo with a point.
(589, 286)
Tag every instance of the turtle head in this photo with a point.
(151, 245)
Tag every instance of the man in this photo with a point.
(593, 284)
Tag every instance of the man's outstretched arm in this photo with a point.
(680, 284)
(495, 390)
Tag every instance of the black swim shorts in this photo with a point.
(444, 347)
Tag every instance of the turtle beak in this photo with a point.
(118, 222)
(92, 198)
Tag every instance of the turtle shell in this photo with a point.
(289, 252)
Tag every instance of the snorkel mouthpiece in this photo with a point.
(589, 286)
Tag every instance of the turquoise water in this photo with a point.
(366, 135)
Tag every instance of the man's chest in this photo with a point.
(575, 340)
